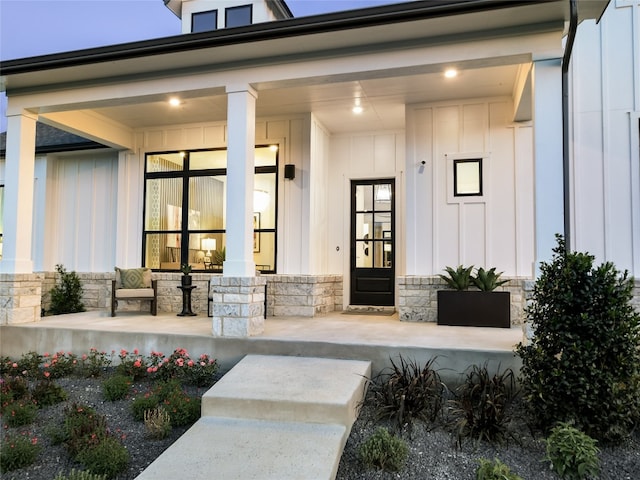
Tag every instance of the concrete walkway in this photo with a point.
(270, 418)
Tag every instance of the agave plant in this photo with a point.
(487, 280)
(459, 279)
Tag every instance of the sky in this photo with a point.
(30, 28)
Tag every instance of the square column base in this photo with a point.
(238, 306)
(20, 298)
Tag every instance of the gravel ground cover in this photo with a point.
(432, 453)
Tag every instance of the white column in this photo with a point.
(547, 144)
(241, 135)
(18, 194)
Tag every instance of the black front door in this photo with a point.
(372, 242)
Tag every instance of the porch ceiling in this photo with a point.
(294, 43)
(383, 100)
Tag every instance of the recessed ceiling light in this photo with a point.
(451, 73)
(357, 109)
(174, 102)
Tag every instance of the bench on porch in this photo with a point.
(134, 284)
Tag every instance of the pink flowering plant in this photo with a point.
(59, 364)
(132, 364)
(180, 366)
(95, 363)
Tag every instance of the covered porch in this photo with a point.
(375, 338)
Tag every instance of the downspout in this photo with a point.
(566, 184)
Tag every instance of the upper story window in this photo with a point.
(204, 21)
(238, 16)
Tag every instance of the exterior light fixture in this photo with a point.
(450, 73)
(174, 102)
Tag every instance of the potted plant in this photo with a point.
(219, 256)
(185, 268)
(483, 307)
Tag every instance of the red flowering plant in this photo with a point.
(132, 364)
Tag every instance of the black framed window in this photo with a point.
(185, 209)
(238, 16)
(204, 21)
(467, 177)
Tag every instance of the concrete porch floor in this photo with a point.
(335, 335)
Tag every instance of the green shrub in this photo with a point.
(13, 388)
(384, 450)
(572, 453)
(481, 405)
(116, 387)
(66, 295)
(182, 409)
(142, 404)
(407, 391)
(80, 475)
(18, 451)
(20, 412)
(83, 428)
(157, 422)
(47, 393)
(495, 470)
(583, 362)
(108, 457)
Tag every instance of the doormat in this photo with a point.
(372, 312)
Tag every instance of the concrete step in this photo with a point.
(289, 389)
(270, 418)
(237, 449)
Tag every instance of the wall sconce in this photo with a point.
(208, 244)
(290, 171)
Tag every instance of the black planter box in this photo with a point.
(469, 308)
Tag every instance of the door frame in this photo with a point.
(373, 285)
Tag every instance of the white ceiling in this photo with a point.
(383, 100)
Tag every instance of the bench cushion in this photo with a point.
(134, 293)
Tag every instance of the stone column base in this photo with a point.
(238, 306)
(20, 297)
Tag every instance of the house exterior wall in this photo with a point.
(368, 155)
(495, 230)
(605, 129)
(295, 196)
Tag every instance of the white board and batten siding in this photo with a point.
(605, 151)
(492, 230)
